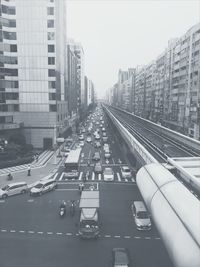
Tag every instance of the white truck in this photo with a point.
(89, 226)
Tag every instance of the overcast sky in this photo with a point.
(121, 34)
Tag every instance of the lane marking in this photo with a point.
(3, 230)
(118, 177)
(2, 201)
(12, 231)
(49, 233)
(69, 234)
(31, 232)
(147, 237)
(126, 180)
(127, 236)
(117, 236)
(80, 176)
(93, 175)
(113, 161)
(21, 231)
(137, 237)
(66, 189)
(58, 233)
(30, 200)
(99, 176)
(61, 177)
(157, 238)
(133, 180)
(107, 235)
(40, 233)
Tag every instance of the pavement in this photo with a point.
(37, 174)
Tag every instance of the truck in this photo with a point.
(89, 226)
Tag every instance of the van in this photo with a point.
(43, 186)
(13, 189)
(141, 216)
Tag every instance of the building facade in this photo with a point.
(167, 90)
(33, 82)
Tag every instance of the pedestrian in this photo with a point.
(29, 170)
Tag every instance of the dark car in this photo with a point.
(120, 257)
(98, 167)
(96, 156)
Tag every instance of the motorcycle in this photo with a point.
(72, 208)
(62, 211)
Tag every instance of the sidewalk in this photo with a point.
(36, 174)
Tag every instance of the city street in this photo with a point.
(32, 231)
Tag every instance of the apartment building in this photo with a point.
(167, 90)
(33, 92)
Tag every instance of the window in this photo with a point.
(52, 84)
(51, 35)
(51, 60)
(52, 108)
(8, 10)
(50, 23)
(8, 84)
(8, 72)
(10, 35)
(8, 60)
(51, 48)
(50, 11)
(13, 48)
(52, 96)
(51, 73)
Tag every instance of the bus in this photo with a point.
(72, 164)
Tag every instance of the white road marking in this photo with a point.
(107, 235)
(118, 177)
(93, 175)
(3, 230)
(66, 189)
(58, 233)
(77, 234)
(2, 201)
(21, 231)
(113, 161)
(127, 236)
(49, 233)
(117, 236)
(68, 233)
(61, 176)
(80, 176)
(133, 180)
(30, 200)
(157, 238)
(31, 232)
(40, 233)
(12, 231)
(147, 237)
(126, 180)
(137, 237)
(99, 176)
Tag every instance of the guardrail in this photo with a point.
(131, 141)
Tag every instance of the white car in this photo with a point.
(81, 137)
(43, 186)
(108, 174)
(106, 146)
(126, 172)
(97, 137)
(13, 189)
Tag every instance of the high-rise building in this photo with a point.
(32, 82)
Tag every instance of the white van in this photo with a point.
(43, 186)
(13, 189)
(141, 215)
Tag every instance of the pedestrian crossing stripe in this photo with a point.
(93, 175)
(99, 176)
(80, 176)
(118, 177)
(61, 177)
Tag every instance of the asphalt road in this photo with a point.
(33, 234)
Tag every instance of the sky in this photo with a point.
(121, 34)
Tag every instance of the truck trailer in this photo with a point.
(89, 226)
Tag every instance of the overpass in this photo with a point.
(172, 199)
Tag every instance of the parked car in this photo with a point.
(126, 172)
(106, 146)
(98, 167)
(108, 174)
(66, 153)
(141, 216)
(97, 137)
(81, 143)
(13, 189)
(43, 186)
(103, 129)
(96, 156)
(105, 138)
(120, 257)
(81, 137)
(104, 134)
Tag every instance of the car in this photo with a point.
(89, 139)
(98, 168)
(96, 156)
(81, 137)
(107, 155)
(97, 144)
(120, 257)
(13, 189)
(66, 151)
(83, 130)
(81, 143)
(106, 146)
(141, 216)
(103, 129)
(126, 172)
(97, 137)
(108, 174)
(105, 139)
(104, 134)
(43, 186)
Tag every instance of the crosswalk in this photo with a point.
(43, 158)
(96, 177)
